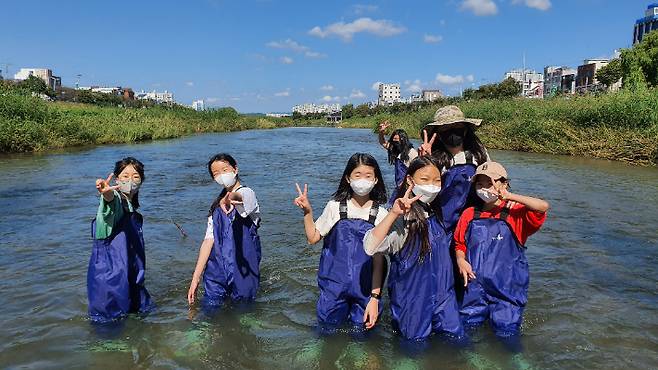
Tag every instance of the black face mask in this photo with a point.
(453, 138)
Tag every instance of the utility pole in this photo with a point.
(77, 81)
(7, 69)
(523, 77)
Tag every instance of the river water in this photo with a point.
(594, 266)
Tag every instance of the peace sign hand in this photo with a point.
(103, 186)
(426, 147)
(383, 126)
(302, 199)
(402, 206)
(228, 202)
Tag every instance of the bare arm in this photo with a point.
(312, 234)
(533, 204)
(382, 132)
(204, 254)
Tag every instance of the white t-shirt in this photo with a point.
(248, 208)
(331, 215)
(413, 153)
(392, 243)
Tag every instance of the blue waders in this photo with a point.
(422, 293)
(233, 268)
(345, 273)
(400, 173)
(500, 292)
(456, 185)
(115, 277)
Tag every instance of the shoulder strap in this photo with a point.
(505, 212)
(373, 212)
(342, 209)
(477, 212)
(239, 187)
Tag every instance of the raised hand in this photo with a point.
(426, 147)
(384, 126)
(229, 201)
(302, 199)
(402, 206)
(105, 189)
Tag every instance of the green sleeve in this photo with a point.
(108, 214)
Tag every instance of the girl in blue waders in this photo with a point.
(421, 278)
(116, 274)
(400, 153)
(229, 257)
(490, 247)
(349, 280)
(458, 151)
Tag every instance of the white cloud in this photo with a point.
(284, 93)
(314, 54)
(234, 98)
(480, 7)
(375, 86)
(453, 80)
(288, 44)
(442, 22)
(329, 98)
(364, 8)
(346, 31)
(327, 88)
(414, 86)
(537, 4)
(213, 100)
(189, 83)
(357, 94)
(286, 60)
(432, 39)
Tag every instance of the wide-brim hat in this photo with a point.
(451, 115)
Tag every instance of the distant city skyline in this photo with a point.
(268, 55)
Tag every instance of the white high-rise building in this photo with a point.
(45, 74)
(198, 105)
(531, 81)
(388, 94)
(159, 97)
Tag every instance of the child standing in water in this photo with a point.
(400, 153)
(421, 279)
(349, 280)
(489, 243)
(229, 257)
(458, 152)
(115, 277)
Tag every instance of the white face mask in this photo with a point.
(486, 195)
(226, 180)
(362, 186)
(129, 187)
(427, 192)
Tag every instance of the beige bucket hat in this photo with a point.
(448, 116)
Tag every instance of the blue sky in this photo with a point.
(267, 55)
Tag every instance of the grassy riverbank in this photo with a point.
(621, 126)
(30, 124)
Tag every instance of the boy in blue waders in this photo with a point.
(400, 153)
(349, 280)
(490, 248)
(421, 278)
(458, 151)
(116, 273)
(229, 257)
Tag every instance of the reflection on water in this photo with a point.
(593, 292)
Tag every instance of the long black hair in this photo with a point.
(119, 166)
(418, 236)
(399, 148)
(228, 159)
(471, 143)
(345, 192)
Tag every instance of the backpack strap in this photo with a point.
(342, 209)
(373, 212)
(477, 213)
(504, 213)
(469, 157)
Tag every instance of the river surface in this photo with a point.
(594, 266)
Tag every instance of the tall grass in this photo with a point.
(621, 126)
(30, 124)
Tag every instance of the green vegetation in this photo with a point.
(29, 124)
